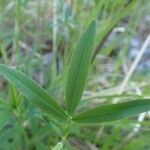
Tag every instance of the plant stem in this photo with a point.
(4, 54)
(22, 130)
(66, 132)
(134, 64)
(55, 30)
(17, 28)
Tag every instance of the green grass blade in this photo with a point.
(33, 92)
(79, 66)
(112, 112)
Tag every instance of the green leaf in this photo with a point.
(5, 115)
(111, 112)
(146, 91)
(3, 104)
(33, 92)
(79, 66)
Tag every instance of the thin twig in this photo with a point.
(134, 65)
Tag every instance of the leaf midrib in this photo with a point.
(108, 113)
(78, 70)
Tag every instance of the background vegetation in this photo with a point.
(38, 36)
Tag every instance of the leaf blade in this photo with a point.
(5, 115)
(112, 112)
(79, 66)
(33, 92)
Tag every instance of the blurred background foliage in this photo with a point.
(38, 36)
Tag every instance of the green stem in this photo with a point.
(23, 132)
(55, 30)
(4, 54)
(17, 28)
(66, 132)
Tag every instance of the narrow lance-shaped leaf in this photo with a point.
(79, 66)
(111, 112)
(33, 92)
